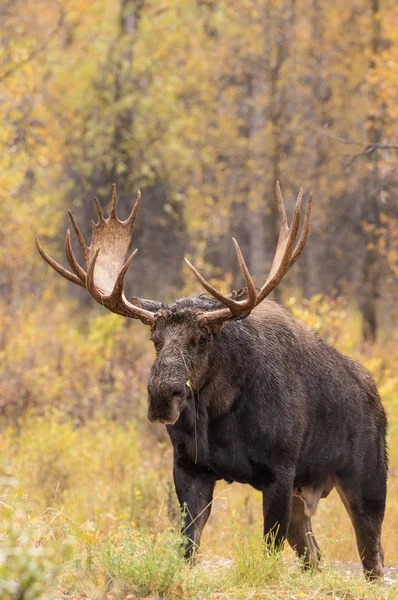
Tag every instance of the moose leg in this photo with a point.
(277, 508)
(301, 537)
(195, 494)
(365, 507)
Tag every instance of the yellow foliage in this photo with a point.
(81, 365)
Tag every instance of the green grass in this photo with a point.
(90, 512)
(133, 564)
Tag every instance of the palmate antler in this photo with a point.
(105, 260)
(106, 264)
(285, 256)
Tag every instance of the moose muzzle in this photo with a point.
(165, 407)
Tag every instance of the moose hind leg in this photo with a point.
(366, 510)
(301, 537)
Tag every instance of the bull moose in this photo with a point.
(249, 394)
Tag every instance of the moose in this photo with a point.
(248, 394)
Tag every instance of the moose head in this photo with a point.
(183, 333)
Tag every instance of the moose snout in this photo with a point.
(165, 405)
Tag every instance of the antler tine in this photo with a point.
(80, 237)
(99, 211)
(76, 268)
(251, 288)
(236, 307)
(90, 284)
(119, 283)
(299, 197)
(211, 289)
(285, 234)
(281, 266)
(57, 267)
(281, 207)
(118, 297)
(114, 201)
(131, 218)
(304, 231)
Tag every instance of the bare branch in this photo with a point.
(340, 138)
(368, 148)
(379, 146)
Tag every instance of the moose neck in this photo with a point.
(230, 364)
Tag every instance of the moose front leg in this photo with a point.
(277, 510)
(195, 495)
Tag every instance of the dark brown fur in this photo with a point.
(258, 399)
(265, 401)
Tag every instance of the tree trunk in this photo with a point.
(371, 212)
(268, 109)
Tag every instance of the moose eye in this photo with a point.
(202, 343)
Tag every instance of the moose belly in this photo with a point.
(233, 458)
(234, 464)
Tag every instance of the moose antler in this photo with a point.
(106, 264)
(285, 256)
(105, 260)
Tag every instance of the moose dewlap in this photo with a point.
(248, 394)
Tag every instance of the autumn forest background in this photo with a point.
(204, 105)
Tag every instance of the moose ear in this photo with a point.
(151, 305)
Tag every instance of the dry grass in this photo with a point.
(90, 510)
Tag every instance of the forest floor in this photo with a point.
(338, 580)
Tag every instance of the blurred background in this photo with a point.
(203, 105)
